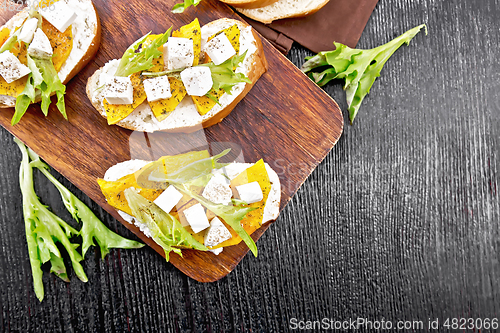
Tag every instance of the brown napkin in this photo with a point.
(341, 21)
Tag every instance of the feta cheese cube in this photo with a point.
(40, 46)
(11, 69)
(178, 53)
(197, 80)
(219, 49)
(105, 79)
(28, 30)
(217, 233)
(168, 199)
(250, 192)
(157, 88)
(59, 14)
(218, 190)
(196, 217)
(119, 91)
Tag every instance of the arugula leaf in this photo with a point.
(359, 68)
(165, 230)
(28, 94)
(43, 77)
(224, 76)
(92, 227)
(181, 7)
(50, 84)
(43, 228)
(157, 173)
(134, 61)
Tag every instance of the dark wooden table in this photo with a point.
(400, 222)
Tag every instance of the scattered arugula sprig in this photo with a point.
(224, 76)
(92, 227)
(181, 7)
(43, 228)
(134, 61)
(359, 68)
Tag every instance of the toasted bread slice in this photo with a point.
(249, 4)
(283, 9)
(272, 203)
(185, 118)
(86, 34)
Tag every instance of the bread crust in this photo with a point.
(254, 14)
(89, 54)
(91, 51)
(259, 67)
(249, 4)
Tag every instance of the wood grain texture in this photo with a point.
(294, 132)
(399, 222)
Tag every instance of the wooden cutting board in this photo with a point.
(285, 119)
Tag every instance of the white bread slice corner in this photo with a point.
(283, 9)
(271, 209)
(185, 117)
(249, 4)
(86, 32)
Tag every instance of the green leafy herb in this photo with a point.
(43, 77)
(359, 68)
(51, 83)
(165, 230)
(92, 227)
(44, 228)
(180, 7)
(224, 75)
(134, 61)
(190, 172)
(156, 74)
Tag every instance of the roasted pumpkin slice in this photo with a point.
(164, 107)
(4, 35)
(191, 31)
(113, 191)
(115, 112)
(61, 43)
(204, 104)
